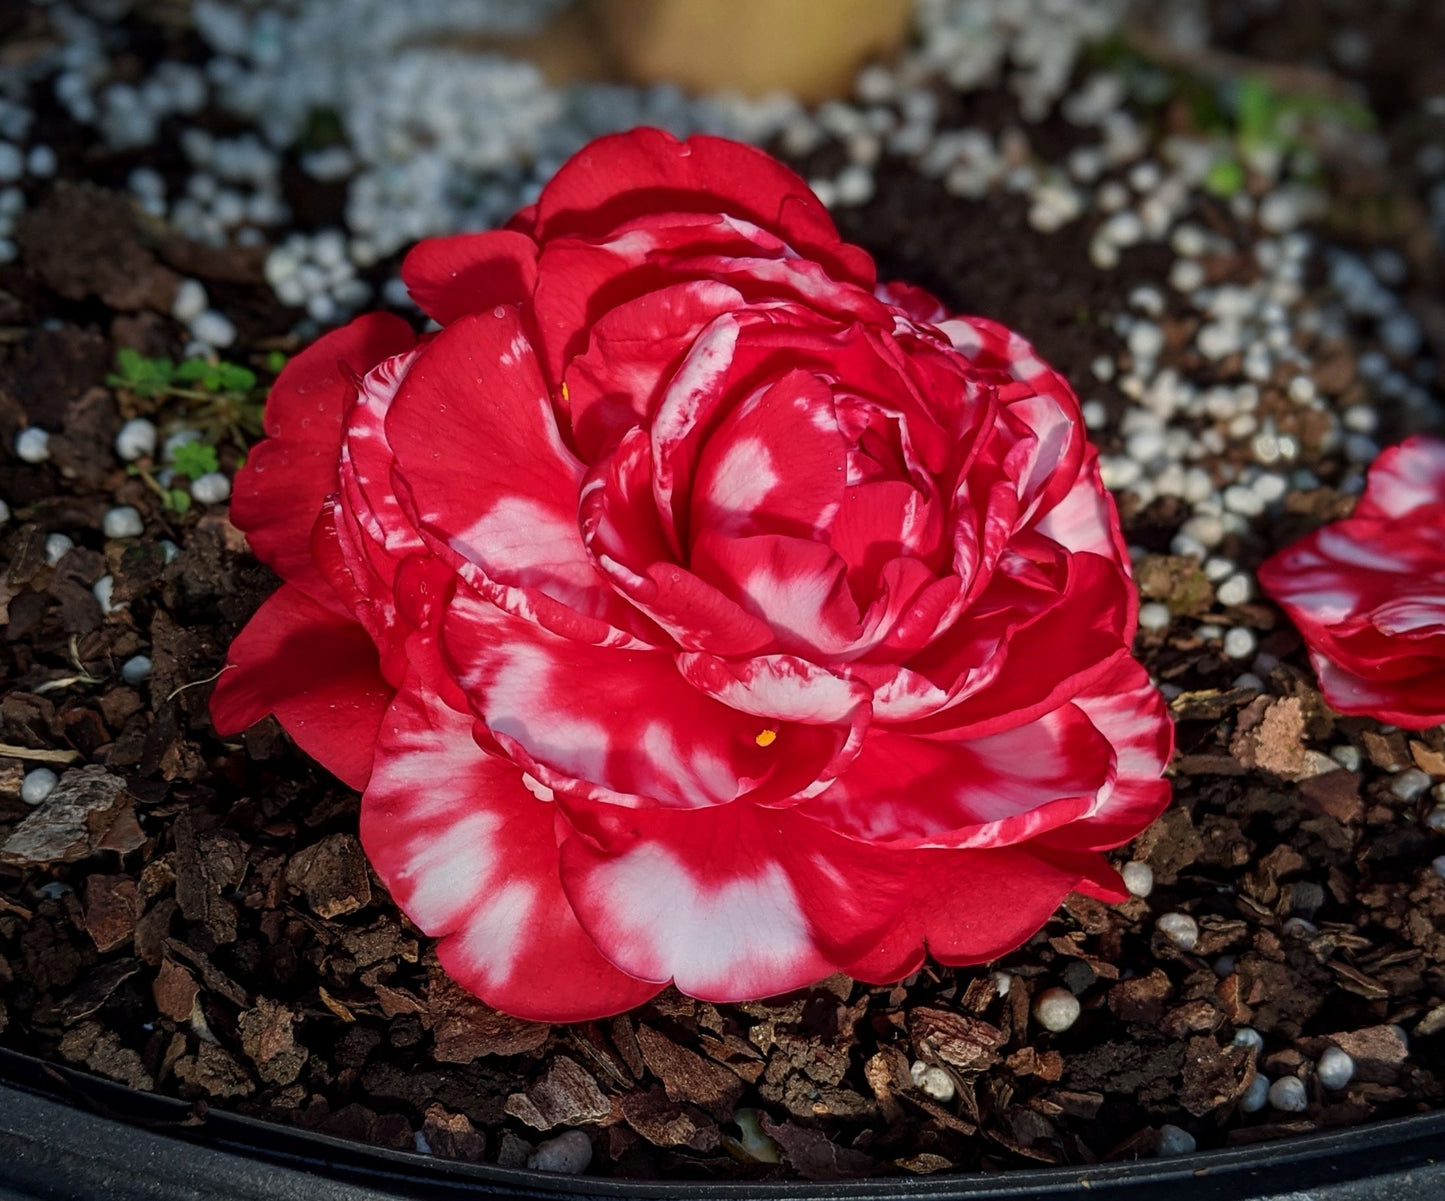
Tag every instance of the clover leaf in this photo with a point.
(195, 459)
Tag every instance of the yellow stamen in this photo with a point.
(565, 398)
(766, 737)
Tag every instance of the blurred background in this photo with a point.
(1177, 199)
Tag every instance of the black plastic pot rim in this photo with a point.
(154, 1146)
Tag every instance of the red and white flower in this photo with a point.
(1368, 593)
(691, 607)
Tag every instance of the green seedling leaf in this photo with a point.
(275, 361)
(178, 500)
(235, 378)
(139, 374)
(1258, 111)
(195, 459)
(1225, 178)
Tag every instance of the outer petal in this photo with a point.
(279, 492)
(1129, 711)
(317, 672)
(1415, 704)
(649, 171)
(730, 903)
(470, 273)
(971, 906)
(469, 852)
(1404, 478)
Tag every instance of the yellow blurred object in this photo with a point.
(811, 48)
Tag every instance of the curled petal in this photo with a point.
(649, 171)
(317, 672)
(470, 273)
(1131, 714)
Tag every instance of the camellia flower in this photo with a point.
(1368, 593)
(690, 607)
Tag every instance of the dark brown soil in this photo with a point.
(206, 925)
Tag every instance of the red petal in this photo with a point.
(634, 350)
(730, 903)
(1128, 711)
(1038, 661)
(982, 792)
(279, 492)
(470, 273)
(968, 906)
(1404, 478)
(1414, 703)
(644, 171)
(775, 465)
(799, 588)
(622, 720)
(317, 672)
(469, 853)
(477, 446)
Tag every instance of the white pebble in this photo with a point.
(38, 784)
(1438, 863)
(136, 670)
(1410, 784)
(1239, 643)
(854, 185)
(136, 440)
(57, 546)
(1180, 929)
(214, 329)
(1242, 500)
(1302, 389)
(190, 302)
(124, 521)
(1256, 1095)
(1146, 341)
(1205, 528)
(4, 512)
(211, 488)
(1235, 590)
(1138, 878)
(103, 590)
(1335, 1068)
(1288, 1094)
(1186, 275)
(41, 162)
(1248, 1036)
(12, 162)
(1154, 616)
(1175, 1141)
(1351, 758)
(1002, 983)
(1056, 1009)
(33, 444)
(934, 1081)
(570, 1152)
